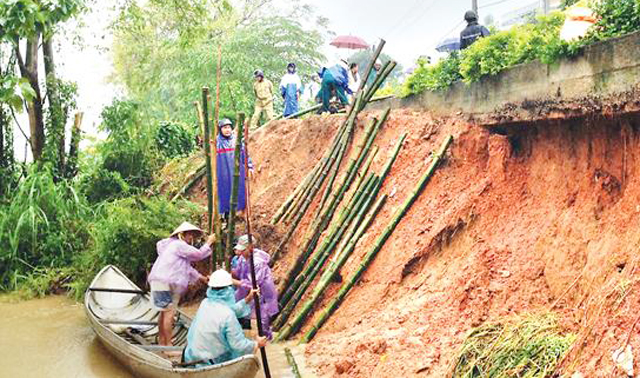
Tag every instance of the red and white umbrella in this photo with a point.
(349, 42)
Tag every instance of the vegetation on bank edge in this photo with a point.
(528, 346)
(539, 40)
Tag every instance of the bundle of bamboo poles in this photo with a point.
(296, 206)
(345, 233)
(368, 258)
(231, 222)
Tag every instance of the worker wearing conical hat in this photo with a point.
(172, 273)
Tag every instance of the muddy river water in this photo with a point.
(51, 337)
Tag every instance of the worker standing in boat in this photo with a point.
(215, 336)
(264, 280)
(225, 151)
(172, 273)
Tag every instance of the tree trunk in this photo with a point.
(56, 133)
(29, 71)
(74, 146)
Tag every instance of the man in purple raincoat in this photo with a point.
(172, 273)
(225, 147)
(241, 271)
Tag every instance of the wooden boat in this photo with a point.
(124, 321)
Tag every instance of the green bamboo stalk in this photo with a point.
(384, 73)
(300, 213)
(368, 258)
(292, 363)
(332, 269)
(233, 202)
(324, 315)
(305, 279)
(321, 223)
(365, 169)
(207, 157)
(394, 156)
(304, 192)
(371, 63)
(289, 201)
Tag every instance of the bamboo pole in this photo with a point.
(306, 278)
(207, 157)
(332, 269)
(192, 180)
(289, 201)
(378, 82)
(368, 258)
(233, 202)
(365, 169)
(252, 267)
(217, 222)
(196, 104)
(292, 363)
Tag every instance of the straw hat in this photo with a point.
(184, 227)
(220, 278)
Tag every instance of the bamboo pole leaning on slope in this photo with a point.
(233, 202)
(368, 258)
(289, 201)
(305, 279)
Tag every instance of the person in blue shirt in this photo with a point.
(215, 336)
(334, 79)
(290, 89)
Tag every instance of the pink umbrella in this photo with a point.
(349, 42)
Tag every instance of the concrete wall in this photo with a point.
(604, 76)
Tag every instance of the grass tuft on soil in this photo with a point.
(526, 346)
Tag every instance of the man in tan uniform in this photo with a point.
(263, 90)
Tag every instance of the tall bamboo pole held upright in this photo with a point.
(233, 202)
(247, 212)
(217, 223)
(402, 210)
(207, 157)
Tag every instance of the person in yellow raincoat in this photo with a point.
(263, 89)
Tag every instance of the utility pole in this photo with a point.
(474, 6)
(546, 6)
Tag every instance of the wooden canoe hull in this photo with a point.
(142, 363)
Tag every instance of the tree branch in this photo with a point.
(15, 119)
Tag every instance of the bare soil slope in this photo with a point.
(545, 217)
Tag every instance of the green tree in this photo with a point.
(165, 52)
(33, 23)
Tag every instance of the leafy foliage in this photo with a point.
(103, 185)
(433, 77)
(174, 140)
(164, 59)
(42, 224)
(23, 18)
(616, 18)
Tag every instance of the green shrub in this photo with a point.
(101, 185)
(174, 140)
(615, 18)
(433, 77)
(44, 224)
(125, 235)
(520, 44)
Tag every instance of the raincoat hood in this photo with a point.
(225, 295)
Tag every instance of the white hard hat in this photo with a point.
(220, 278)
(184, 227)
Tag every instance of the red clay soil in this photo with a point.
(547, 216)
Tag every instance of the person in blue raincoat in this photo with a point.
(225, 152)
(290, 89)
(215, 336)
(336, 79)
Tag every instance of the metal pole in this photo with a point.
(474, 6)
(247, 212)
(546, 6)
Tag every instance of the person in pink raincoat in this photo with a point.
(172, 273)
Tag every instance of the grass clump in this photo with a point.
(526, 347)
